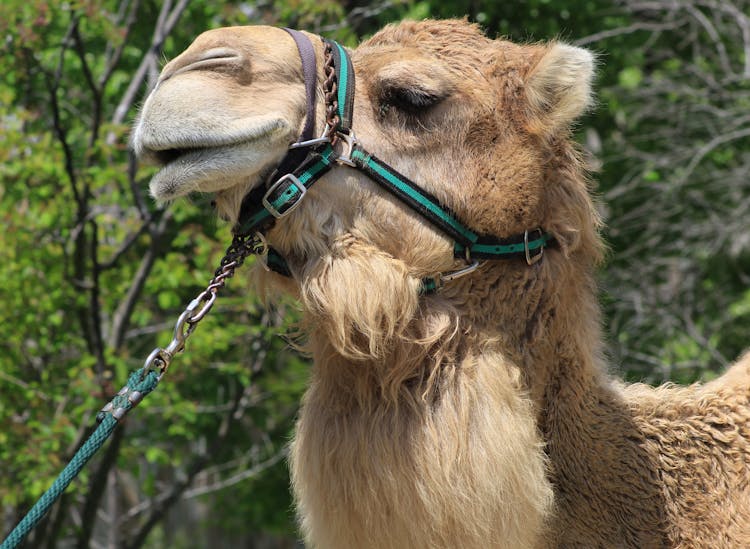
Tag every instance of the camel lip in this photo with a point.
(163, 157)
(163, 154)
(211, 162)
(211, 169)
(161, 146)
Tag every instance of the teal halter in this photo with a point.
(288, 185)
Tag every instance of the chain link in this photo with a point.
(330, 89)
(241, 247)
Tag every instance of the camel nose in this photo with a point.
(214, 58)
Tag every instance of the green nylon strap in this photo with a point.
(403, 188)
(311, 174)
(494, 249)
(429, 286)
(343, 74)
(345, 83)
(139, 383)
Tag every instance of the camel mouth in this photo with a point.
(210, 163)
(210, 169)
(165, 156)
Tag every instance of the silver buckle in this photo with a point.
(270, 207)
(530, 260)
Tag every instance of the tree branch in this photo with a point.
(113, 59)
(164, 25)
(121, 317)
(635, 27)
(236, 478)
(127, 243)
(96, 92)
(173, 495)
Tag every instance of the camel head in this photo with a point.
(482, 125)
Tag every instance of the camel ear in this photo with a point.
(558, 88)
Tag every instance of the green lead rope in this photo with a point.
(140, 383)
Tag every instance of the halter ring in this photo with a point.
(350, 141)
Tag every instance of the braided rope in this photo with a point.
(330, 92)
(140, 383)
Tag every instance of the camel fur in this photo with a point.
(482, 415)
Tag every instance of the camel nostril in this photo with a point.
(213, 58)
(218, 53)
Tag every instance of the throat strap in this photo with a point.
(468, 244)
(262, 207)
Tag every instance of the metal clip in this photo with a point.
(260, 249)
(448, 277)
(324, 138)
(260, 245)
(207, 297)
(310, 142)
(159, 359)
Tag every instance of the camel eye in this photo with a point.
(410, 101)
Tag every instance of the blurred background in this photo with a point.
(93, 274)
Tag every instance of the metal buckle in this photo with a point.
(271, 208)
(530, 260)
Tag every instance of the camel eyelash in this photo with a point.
(410, 102)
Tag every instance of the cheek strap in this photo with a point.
(309, 71)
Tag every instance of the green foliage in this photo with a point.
(95, 276)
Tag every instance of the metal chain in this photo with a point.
(330, 89)
(241, 247)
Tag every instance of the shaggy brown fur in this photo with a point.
(480, 416)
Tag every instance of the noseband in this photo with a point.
(310, 158)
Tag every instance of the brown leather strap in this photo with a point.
(309, 71)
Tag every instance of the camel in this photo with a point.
(480, 414)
